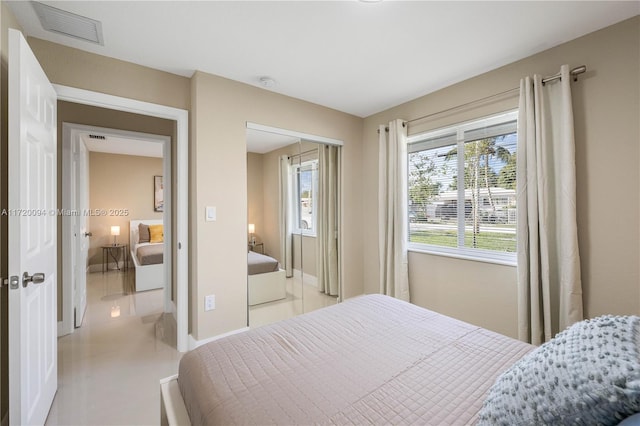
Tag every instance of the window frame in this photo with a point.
(446, 136)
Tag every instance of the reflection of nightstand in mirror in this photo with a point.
(255, 247)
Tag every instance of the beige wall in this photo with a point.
(304, 254)
(119, 182)
(220, 110)
(606, 114)
(77, 68)
(255, 194)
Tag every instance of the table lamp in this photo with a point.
(252, 230)
(115, 231)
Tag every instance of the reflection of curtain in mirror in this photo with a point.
(286, 237)
(327, 218)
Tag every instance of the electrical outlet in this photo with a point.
(209, 302)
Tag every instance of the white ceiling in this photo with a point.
(262, 142)
(113, 144)
(352, 56)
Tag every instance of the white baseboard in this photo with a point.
(64, 329)
(193, 343)
(172, 309)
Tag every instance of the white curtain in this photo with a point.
(549, 285)
(327, 218)
(286, 236)
(392, 211)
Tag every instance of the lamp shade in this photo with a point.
(115, 230)
(252, 228)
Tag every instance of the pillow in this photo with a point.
(631, 421)
(143, 233)
(156, 234)
(588, 374)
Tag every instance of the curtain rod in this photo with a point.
(303, 153)
(574, 72)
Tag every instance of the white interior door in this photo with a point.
(33, 375)
(81, 229)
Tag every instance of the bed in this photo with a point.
(378, 360)
(147, 258)
(266, 281)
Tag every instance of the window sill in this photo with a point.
(456, 254)
(304, 234)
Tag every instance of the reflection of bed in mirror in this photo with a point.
(147, 257)
(267, 282)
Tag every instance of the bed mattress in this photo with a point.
(372, 359)
(261, 264)
(150, 254)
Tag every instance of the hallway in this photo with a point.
(109, 369)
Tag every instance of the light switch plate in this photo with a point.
(210, 214)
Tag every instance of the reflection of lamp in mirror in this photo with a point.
(115, 231)
(252, 230)
(115, 310)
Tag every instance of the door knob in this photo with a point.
(88, 234)
(35, 278)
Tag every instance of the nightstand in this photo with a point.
(255, 246)
(116, 252)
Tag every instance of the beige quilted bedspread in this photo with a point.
(372, 359)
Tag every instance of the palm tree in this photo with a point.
(479, 154)
(489, 149)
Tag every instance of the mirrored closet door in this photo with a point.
(293, 225)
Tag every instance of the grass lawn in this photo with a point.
(484, 240)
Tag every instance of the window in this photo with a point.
(462, 189)
(306, 188)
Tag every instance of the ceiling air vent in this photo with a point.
(69, 24)
(100, 137)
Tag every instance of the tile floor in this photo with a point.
(109, 369)
(299, 299)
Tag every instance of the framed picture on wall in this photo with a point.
(158, 194)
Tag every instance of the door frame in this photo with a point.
(181, 117)
(71, 133)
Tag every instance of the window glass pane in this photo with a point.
(305, 193)
(432, 204)
(461, 187)
(306, 200)
(490, 193)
